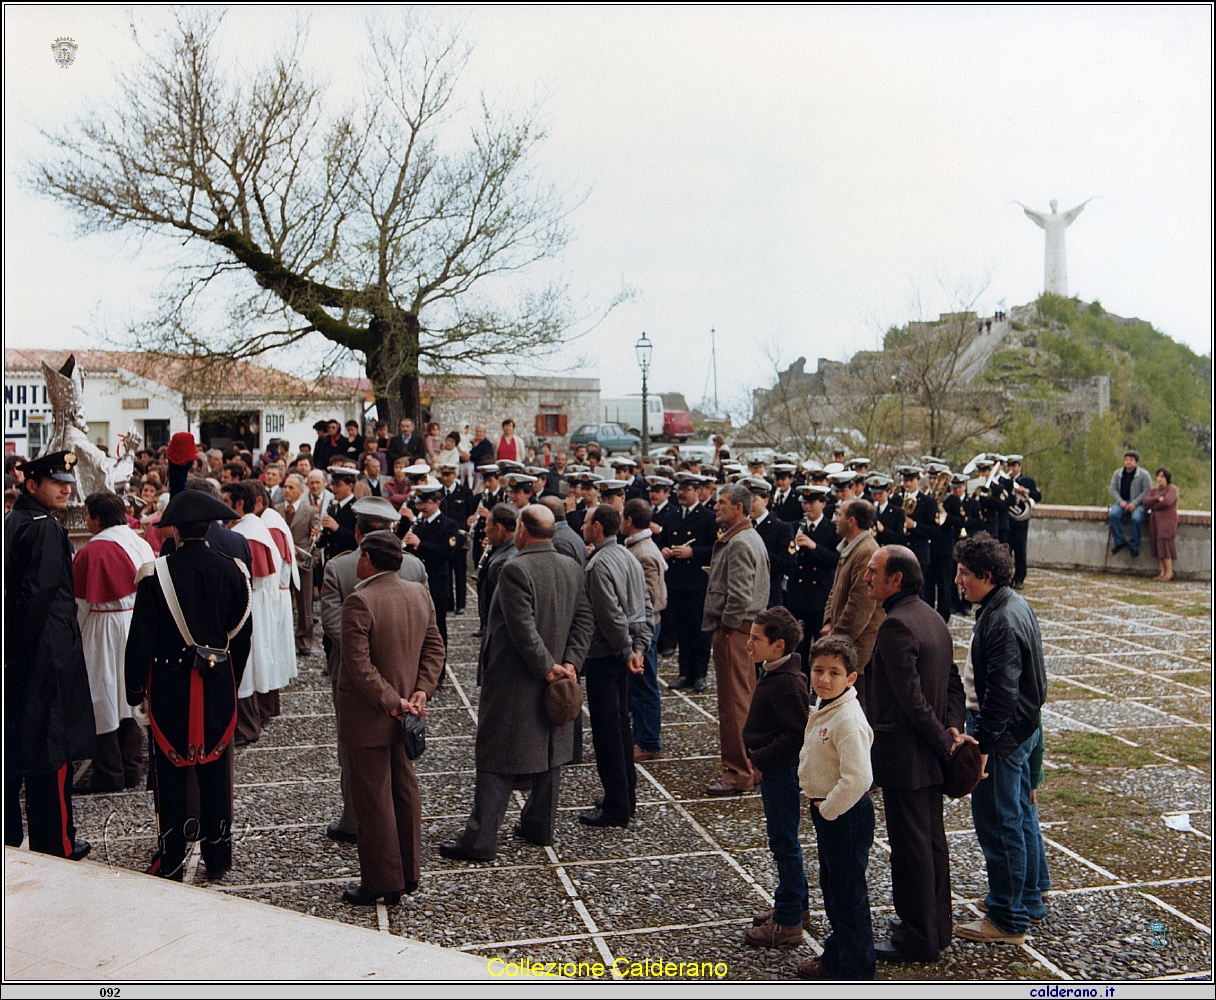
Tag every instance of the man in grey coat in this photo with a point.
(538, 630)
(371, 514)
(738, 591)
(624, 625)
(499, 548)
(566, 540)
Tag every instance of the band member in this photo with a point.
(664, 513)
(48, 709)
(432, 538)
(688, 548)
(890, 527)
(785, 505)
(810, 583)
(778, 539)
(921, 524)
(459, 504)
(492, 494)
(189, 604)
(954, 504)
(338, 522)
(1018, 485)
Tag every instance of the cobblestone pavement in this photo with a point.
(1129, 740)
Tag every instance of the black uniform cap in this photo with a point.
(193, 506)
(57, 465)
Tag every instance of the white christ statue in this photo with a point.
(1055, 267)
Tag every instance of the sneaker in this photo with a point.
(764, 916)
(986, 932)
(771, 935)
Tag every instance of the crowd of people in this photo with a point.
(821, 594)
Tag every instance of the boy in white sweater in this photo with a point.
(834, 772)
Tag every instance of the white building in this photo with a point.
(245, 402)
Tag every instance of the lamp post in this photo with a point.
(643, 348)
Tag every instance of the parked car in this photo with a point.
(610, 437)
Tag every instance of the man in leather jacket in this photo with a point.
(1005, 684)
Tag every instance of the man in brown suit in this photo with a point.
(304, 520)
(917, 711)
(392, 655)
(851, 610)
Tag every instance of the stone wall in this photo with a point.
(1078, 538)
(462, 403)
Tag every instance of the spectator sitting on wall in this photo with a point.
(508, 447)
(1127, 487)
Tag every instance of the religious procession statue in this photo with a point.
(95, 470)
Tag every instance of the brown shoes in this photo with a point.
(720, 787)
(813, 968)
(986, 932)
(641, 756)
(764, 916)
(771, 935)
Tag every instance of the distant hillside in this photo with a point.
(1160, 399)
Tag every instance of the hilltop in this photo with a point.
(1149, 392)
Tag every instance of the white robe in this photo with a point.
(272, 662)
(103, 631)
(289, 576)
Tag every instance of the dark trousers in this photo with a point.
(490, 798)
(1017, 541)
(844, 851)
(251, 712)
(920, 871)
(460, 578)
(939, 585)
(118, 756)
(441, 621)
(687, 608)
(812, 622)
(48, 811)
(645, 702)
(303, 599)
(213, 824)
(667, 644)
(384, 790)
(782, 813)
(612, 734)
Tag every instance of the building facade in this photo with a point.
(243, 403)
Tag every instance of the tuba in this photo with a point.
(1020, 508)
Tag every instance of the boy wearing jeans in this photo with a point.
(773, 736)
(834, 771)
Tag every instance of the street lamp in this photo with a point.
(643, 348)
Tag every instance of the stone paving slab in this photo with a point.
(642, 887)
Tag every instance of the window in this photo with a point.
(550, 424)
(156, 433)
(591, 429)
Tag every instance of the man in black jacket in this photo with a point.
(778, 540)
(406, 444)
(459, 504)
(784, 505)
(48, 709)
(193, 712)
(954, 504)
(1017, 484)
(921, 525)
(687, 545)
(433, 538)
(1009, 683)
(810, 583)
(917, 711)
(889, 528)
(664, 513)
(338, 523)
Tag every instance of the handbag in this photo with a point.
(413, 735)
(207, 659)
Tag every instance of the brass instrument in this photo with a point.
(1020, 508)
(941, 489)
(909, 502)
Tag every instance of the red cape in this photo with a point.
(102, 572)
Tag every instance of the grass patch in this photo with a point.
(1196, 610)
(1196, 678)
(1188, 744)
(1072, 797)
(1102, 750)
(1138, 598)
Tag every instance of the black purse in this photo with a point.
(413, 735)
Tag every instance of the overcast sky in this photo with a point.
(792, 178)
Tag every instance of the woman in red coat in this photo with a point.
(1162, 502)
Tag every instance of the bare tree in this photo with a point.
(361, 226)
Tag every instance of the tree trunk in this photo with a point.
(393, 368)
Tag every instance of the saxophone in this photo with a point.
(941, 489)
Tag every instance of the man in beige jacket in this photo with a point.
(644, 699)
(738, 591)
(851, 611)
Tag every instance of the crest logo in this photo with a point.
(65, 52)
